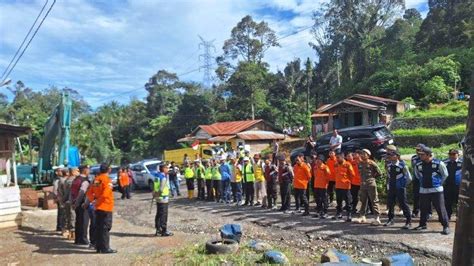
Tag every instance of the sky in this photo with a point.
(107, 49)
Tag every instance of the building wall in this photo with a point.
(257, 146)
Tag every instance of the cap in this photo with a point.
(223, 158)
(246, 159)
(82, 167)
(104, 168)
(453, 151)
(256, 155)
(391, 148)
(426, 149)
(197, 161)
(300, 154)
(367, 152)
(419, 146)
(391, 153)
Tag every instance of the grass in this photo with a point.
(196, 255)
(451, 109)
(440, 152)
(457, 129)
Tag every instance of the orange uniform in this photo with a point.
(322, 175)
(302, 174)
(356, 179)
(101, 192)
(331, 163)
(344, 174)
(124, 180)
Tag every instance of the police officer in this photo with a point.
(416, 185)
(101, 192)
(161, 192)
(189, 176)
(398, 178)
(208, 178)
(249, 180)
(78, 191)
(57, 194)
(431, 174)
(451, 186)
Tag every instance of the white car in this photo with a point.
(143, 173)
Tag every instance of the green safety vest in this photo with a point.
(208, 173)
(200, 172)
(188, 173)
(166, 190)
(248, 173)
(216, 174)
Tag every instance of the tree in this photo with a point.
(248, 90)
(162, 98)
(248, 42)
(464, 235)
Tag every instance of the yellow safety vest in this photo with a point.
(166, 190)
(188, 173)
(216, 174)
(259, 173)
(248, 173)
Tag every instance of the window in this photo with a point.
(207, 152)
(382, 133)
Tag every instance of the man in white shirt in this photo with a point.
(335, 143)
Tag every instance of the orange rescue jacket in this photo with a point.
(302, 175)
(331, 163)
(321, 176)
(344, 174)
(355, 167)
(124, 180)
(101, 191)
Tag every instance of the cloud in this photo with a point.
(107, 48)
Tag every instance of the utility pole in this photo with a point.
(208, 60)
(464, 235)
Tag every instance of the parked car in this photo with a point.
(375, 138)
(94, 171)
(143, 173)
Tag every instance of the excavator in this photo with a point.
(55, 147)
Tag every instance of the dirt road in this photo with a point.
(303, 239)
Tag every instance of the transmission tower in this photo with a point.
(207, 60)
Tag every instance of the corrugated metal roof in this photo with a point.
(229, 128)
(260, 135)
(13, 130)
(221, 138)
(351, 102)
(374, 98)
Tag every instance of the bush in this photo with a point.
(458, 129)
(435, 90)
(450, 109)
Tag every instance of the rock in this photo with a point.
(273, 256)
(333, 255)
(259, 245)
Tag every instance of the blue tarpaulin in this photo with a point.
(231, 231)
(74, 157)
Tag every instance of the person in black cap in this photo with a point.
(398, 178)
(451, 186)
(416, 185)
(431, 174)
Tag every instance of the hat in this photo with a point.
(300, 154)
(391, 147)
(223, 158)
(391, 153)
(367, 152)
(420, 146)
(453, 151)
(82, 167)
(197, 161)
(246, 159)
(426, 149)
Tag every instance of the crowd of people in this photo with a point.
(347, 180)
(85, 206)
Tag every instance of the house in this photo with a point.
(356, 110)
(10, 206)
(255, 135)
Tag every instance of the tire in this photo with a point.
(151, 186)
(226, 246)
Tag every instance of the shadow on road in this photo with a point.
(49, 242)
(309, 224)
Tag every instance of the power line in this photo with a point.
(31, 39)
(24, 40)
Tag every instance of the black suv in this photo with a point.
(375, 138)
